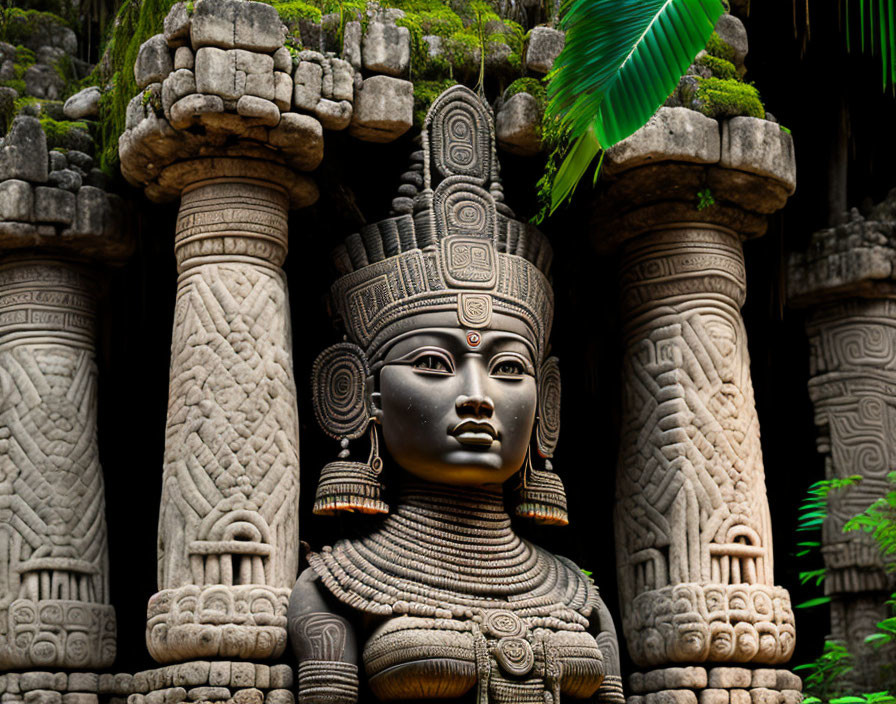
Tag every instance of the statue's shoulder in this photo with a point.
(574, 586)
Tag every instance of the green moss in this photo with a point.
(17, 84)
(532, 86)
(717, 97)
(425, 93)
(720, 67)
(18, 26)
(59, 131)
(718, 48)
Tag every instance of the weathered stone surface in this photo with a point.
(43, 696)
(16, 203)
(674, 134)
(386, 48)
(264, 112)
(351, 44)
(343, 80)
(760, 147)
(186, 109)
(284, 696)
(83, 104)
(791, 696)
(729, 677)
(57, 161)
(219, 674)
(384, 109)
(762, 695)
(262, 676)
(764, 677)
(307, 80)
(43, 81)
(234, 73)
(25, 154)
(37, 680)
(281, 677)
(153, 61)
(91, 211)
(184, 58)
(191, 674)
(671, 696)
(713, 696)
(518, 125)
(283, 60)
(545, 45)
(784, 679)
(636, 683)
(282, 91)
(242, 674)
(80, 698)
(235, 24)
(203, 694)
(740, 696)
(732, 31)
(251, 695)
(684, 677)
(177, 25)
(334, 115)
(178, 84)
(66, 179)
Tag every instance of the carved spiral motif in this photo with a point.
(461, 151)
(515, 656)
(503, 624)
(338, 378)
(547, 433)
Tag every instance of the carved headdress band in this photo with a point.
(455, 247)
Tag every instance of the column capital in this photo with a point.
(684, 167)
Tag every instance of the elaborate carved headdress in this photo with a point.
(451, 245)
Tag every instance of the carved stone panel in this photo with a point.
(228, 527)
(693, 531)
(54, 591)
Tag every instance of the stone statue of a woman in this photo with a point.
(448, 310)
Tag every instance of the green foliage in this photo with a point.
(824, 680)
(705, 199)
(720, 98)
(621, 60)
(823, 676)
(876, 25)
(425, 93)
(18, 25)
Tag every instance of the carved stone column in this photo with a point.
(228, 526)
(54, 581)
(54, 567)
(693, 533)
(845, 282)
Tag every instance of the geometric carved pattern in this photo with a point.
(229, 511)
(54, 590)
(853, 389)
(338, 381)
(692, 515)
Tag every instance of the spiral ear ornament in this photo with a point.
(343, 410)
(541, 496)
(338, 393)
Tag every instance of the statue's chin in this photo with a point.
(463, 468)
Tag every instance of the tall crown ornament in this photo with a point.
(454, 247)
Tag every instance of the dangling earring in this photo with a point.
(346, 485)
(339, 382)
(541, 496)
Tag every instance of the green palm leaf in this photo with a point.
(621, 60)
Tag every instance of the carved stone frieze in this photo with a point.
(54, 591)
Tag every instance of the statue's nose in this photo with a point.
(475, 401)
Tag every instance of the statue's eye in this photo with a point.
(509, 367)
(433, 363)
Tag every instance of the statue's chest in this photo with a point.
(496, 657)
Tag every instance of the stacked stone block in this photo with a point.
(715, 685)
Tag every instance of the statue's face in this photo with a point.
(457, 406)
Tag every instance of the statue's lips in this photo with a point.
(473, 432)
